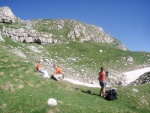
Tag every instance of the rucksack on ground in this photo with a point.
(111, 94)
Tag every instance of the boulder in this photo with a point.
(6, 15)
(52, 102)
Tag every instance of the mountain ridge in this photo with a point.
(45, 31)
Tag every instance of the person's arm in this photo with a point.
(56, 71)
(98, 76)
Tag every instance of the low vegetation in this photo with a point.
(23, 90)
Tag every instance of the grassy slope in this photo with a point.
(23, 90)
(88, 54)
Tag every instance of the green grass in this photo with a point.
(32, 97)
(88, 54)
(23, 90)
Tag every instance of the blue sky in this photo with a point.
(126, 20)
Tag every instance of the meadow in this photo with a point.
(24, 91)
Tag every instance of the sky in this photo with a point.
(126, 20)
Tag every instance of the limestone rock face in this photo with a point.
(1, 39)
(29, 36)
(6, 15)
(47, 31)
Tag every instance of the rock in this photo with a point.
(1, 39)
(135, 90)
(100, 51)
(130, 59)
(143, 79)
(29, 36)
(18, 52)
(58, 31)
(52, 102)
(6, 15)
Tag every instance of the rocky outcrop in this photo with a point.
(6, 15)
(1, 39)
(30, 32)
(26, 35)
(145, 78)
(86, 32)
(45, 31)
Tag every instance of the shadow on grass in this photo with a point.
(89, 92)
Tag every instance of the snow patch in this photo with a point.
(77, 82)
(133, 75)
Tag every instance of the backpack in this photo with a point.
(106, 73)
(111, 94)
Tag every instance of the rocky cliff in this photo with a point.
(46, 31)
(6, 15)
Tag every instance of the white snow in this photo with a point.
(77, 82)
(130, 77)
(133, 75)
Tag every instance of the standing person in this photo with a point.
(58, 73)
(102, 81)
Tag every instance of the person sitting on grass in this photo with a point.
(39, 67)
(58, 73)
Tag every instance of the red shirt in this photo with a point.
(58, 71)
(102, 76)
(38, 67)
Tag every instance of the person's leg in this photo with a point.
(40, 71)
(101, 91)
(57, 77)
(102, 86)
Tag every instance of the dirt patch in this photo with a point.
(8, 87)
(15, 65)
(4, 60)
(11, 87)
(20, 86)
(54, 111)
(1, 73)
(31, 83)
(18, 80)
(20, 76)
(21, 68)
(3, 106)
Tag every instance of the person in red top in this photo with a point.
(38, 66)
(58, 73)
(102, 81)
